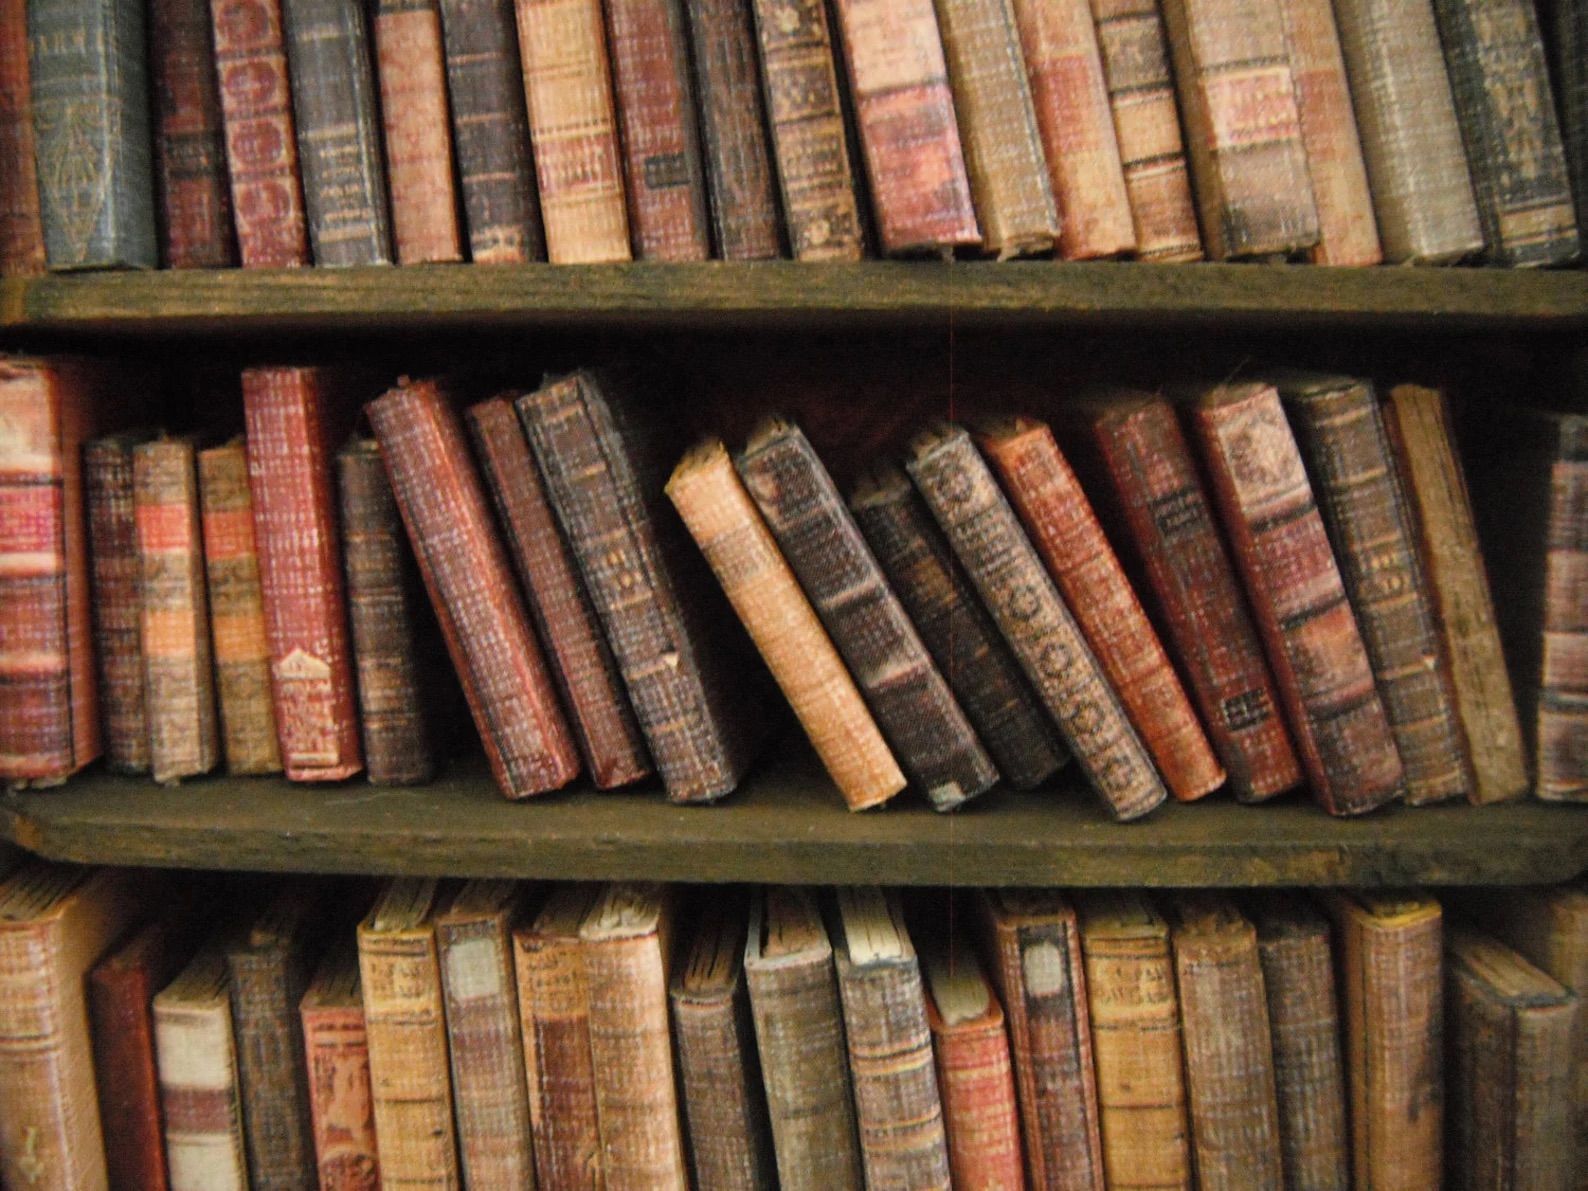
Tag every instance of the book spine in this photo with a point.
(266, 988)
(90, 98)
(976, 1081)
(1561, 724)
(124, 1070)
(336, 1045)
(810, 138)
(1494, 53)
(300, 570)
(21, 230)
(261, 137)
(490, 132)
(586, 672)
(899, 85)
(118, 643)
(1152, 153)
(744, 217)
(1567, 39)
(199, 1096)
(1311, 635)
(174, 620)
(724, 1106)
(998, 127)
(189, 145)
(333, 98)
(573, 126)
(555, 1025)
(1347, 233)
(471, 586)
(987, 539)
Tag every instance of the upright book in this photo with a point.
(336, 1048)
(189, 147)
(21, 231)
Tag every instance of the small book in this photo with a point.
(21, 231)
(336, 1048)
(1567, 40)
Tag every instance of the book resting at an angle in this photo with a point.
(336, 1048)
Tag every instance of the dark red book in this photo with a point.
(189, 146)
(21, 230)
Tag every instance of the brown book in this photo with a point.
(898, 83)
(811, 143)
(1340, 430)
(1067, 535)
(1248, 157)
(407, 1036)
(730, 1141)
(178, 679)
(587, 674)
(906, 692)
(1389, 954)
(237, 612)
(1065, 68)
(21, 229)
(760, 585)
(1566, 39)
(1135, 53)
(410, 65)
(799, 1029)
(1418, 423)
(902, 1140)
(1135, 1016)
(1416, 167)
(1298, 599)
(1229, 1056)
(987, 539)
(1031, 942)
(466, 572)
(336, 1047)
(261, 136)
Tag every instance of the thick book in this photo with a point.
(21, 230)
(471, 586)
(336, 1048)
(1008, 573)
(1340, 429)
(189, 143)
(1298, 599)
(758, 581)
(1043, 489)
(799, 1030)
(1418, 422)
(1032, 946)
(89, 79)
(587, 674)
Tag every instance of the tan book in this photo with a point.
(336, 1046)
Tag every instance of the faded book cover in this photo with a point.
(336, 1048)
(21, 230)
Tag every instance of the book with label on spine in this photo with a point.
(21, 230)
(189, 143)
(336, 1048)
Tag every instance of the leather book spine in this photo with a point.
(1347, 232)
(1567, 41)
(1066, 533)
(1561, 723)
(336, 1044)
(1494, 53)
(898, 83)
(733, 130)
(1411, 143)
(665, 181)
(1340, 429)
(986, 537)
(587, 674)
(490, 132)
(574, 128)
(118, 640)
(291, 416)
(958, 632)
(1248, 158)
(339, 149)
(1065, 68)
(90, 97)
(914, 707)
(760, 585)
(1147, 464)
(976, 1081)
(998, 127)
(1135, 52)
(178, 679)
(237, 612)
(1298, 598)
(21, 230)
(471, 587)
(398, 746)
(816, 164)
(261, 136)
(189, 143)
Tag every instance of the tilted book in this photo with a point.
(21, 232)
(189, 143)
(336, 1047)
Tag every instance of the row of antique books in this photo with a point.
(1267, 583)
(632, 1035)
(272, 133)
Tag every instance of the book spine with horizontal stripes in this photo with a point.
(118, 634)
(1561, 730)
(21, 230)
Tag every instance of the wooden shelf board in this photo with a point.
(790, 294)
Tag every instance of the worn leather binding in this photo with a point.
(489, 636)
(1567, 41)
(189, 146)
(490, 132)
(914, 707)
(21, 232)
(587, 675)
(898, 83)
(1298, 599)
(336, 1047)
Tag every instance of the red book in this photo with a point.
(336, 1047)
(21, 231)
(189, 151)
